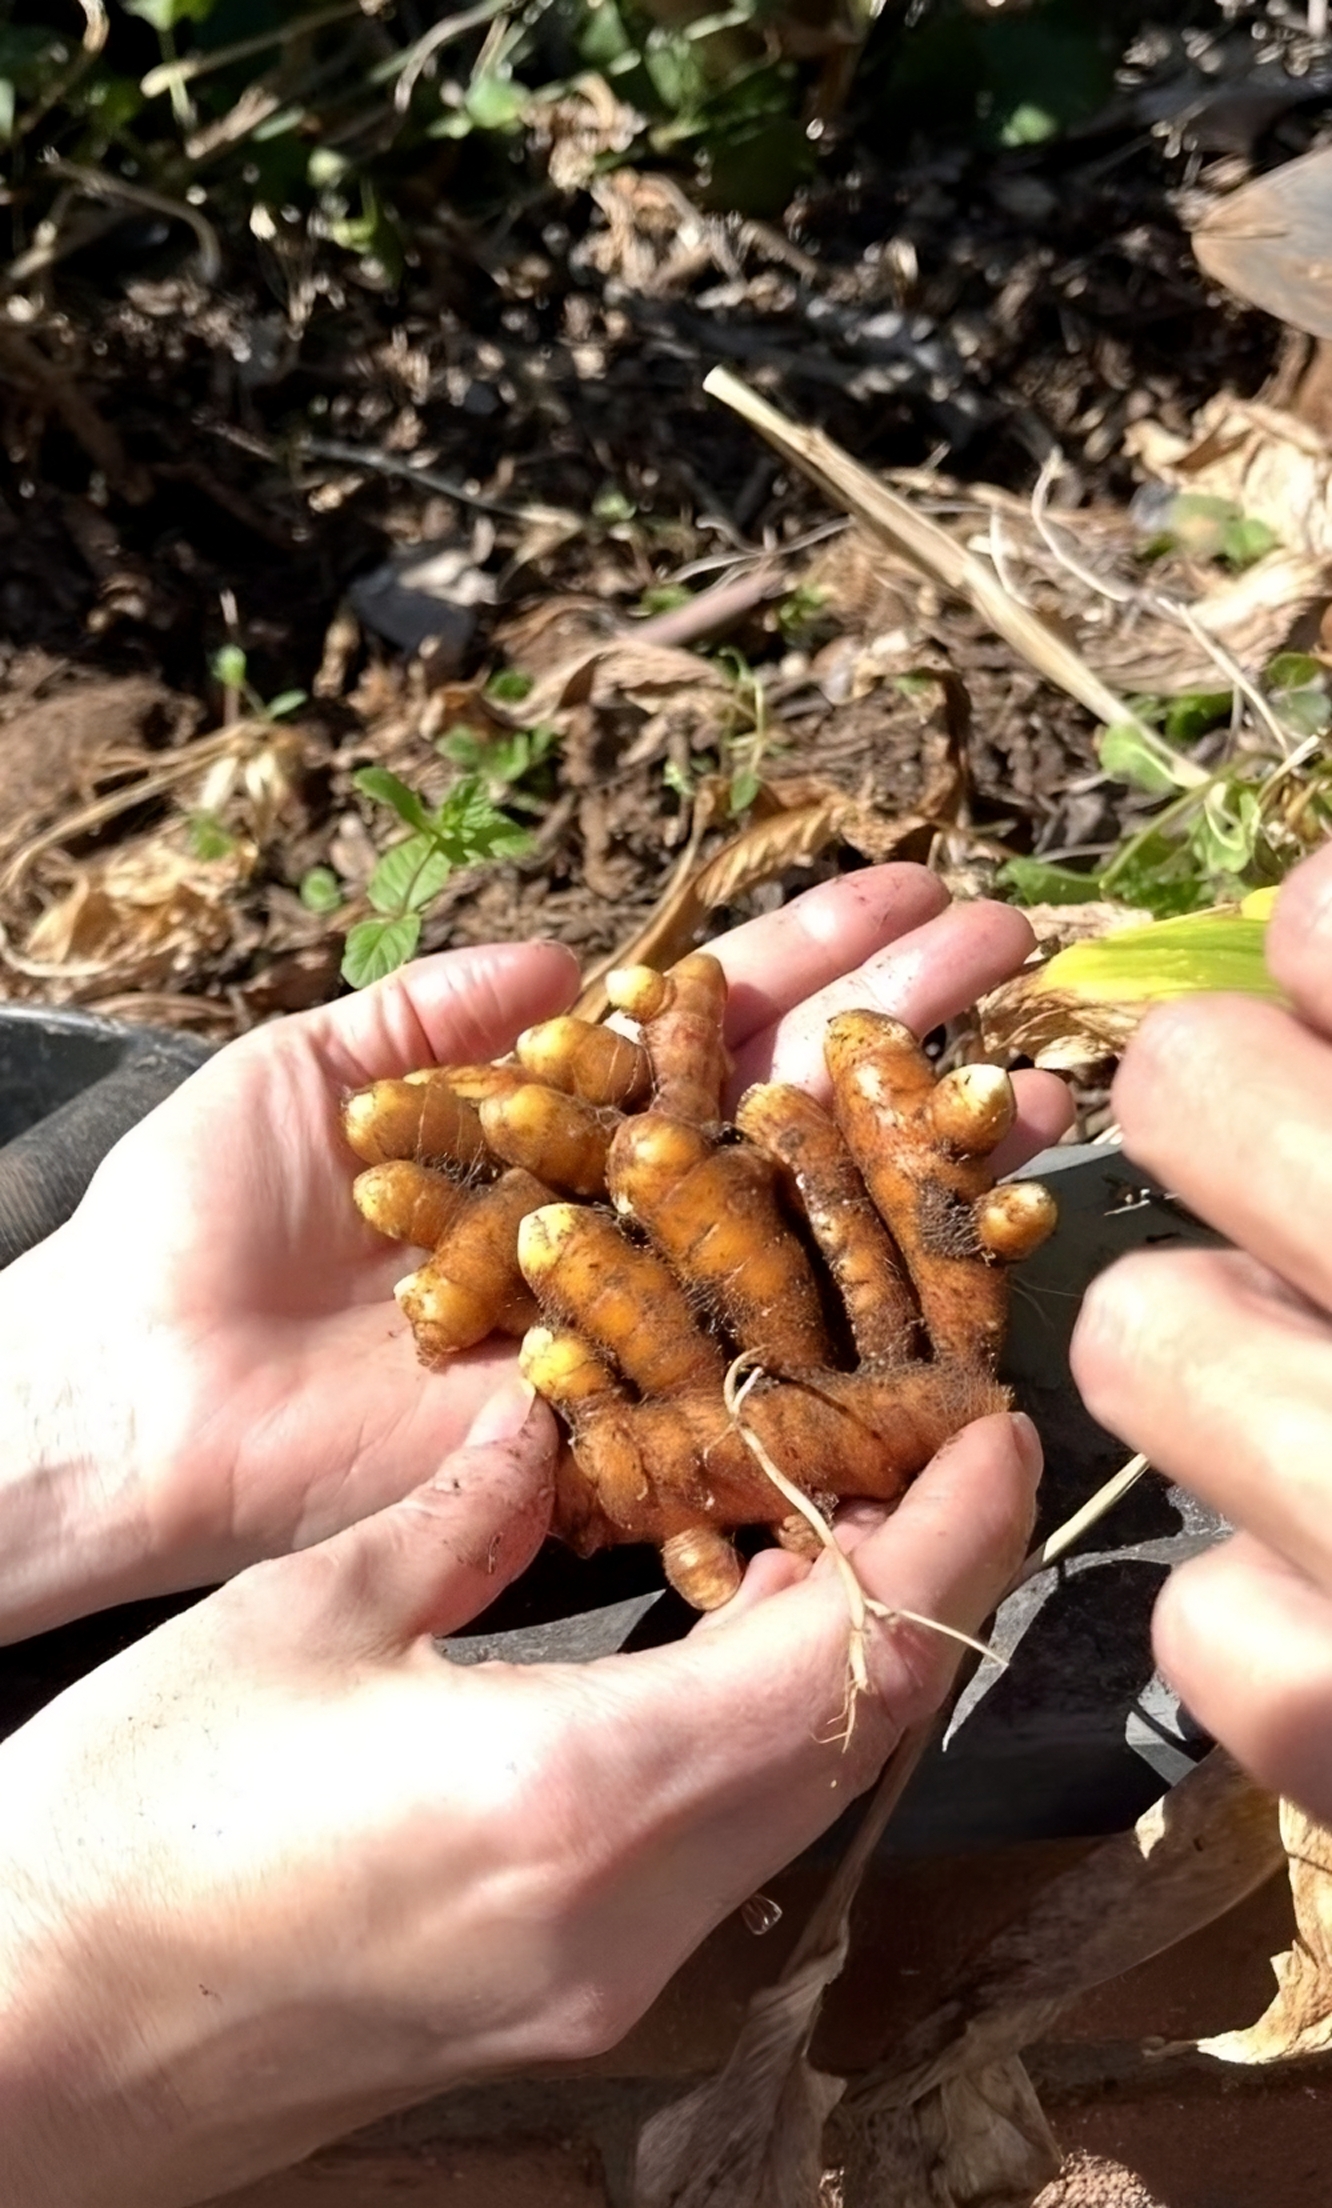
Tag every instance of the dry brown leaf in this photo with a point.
(768, 847)
(752, 2137)
(1210, 1842)
(1053, 1028)
(983, 2135)
(1252, 616)
(581, 129)
(615, 668)
(757, 855)
(1273, 467)
(1299, 2020)
(1267, 242)
(144, 915)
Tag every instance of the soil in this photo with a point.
(1089, 2181)
(186, 467)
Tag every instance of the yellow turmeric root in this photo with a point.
(922, 1147)
(472, 1285)
(858, 1256)
(590, 1062)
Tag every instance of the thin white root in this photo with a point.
(861, 1607)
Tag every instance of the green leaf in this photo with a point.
(1226, 829)
(410, 876)
(209, 837)
(495, 102)
(1194, 712)
(601, 35)
(164, 15)
(744, 789)
(509, 685)
(115, 101)
(1171, 958)
(610, 506)
(1028, 125)
(1129, 754)
(387, 789)
(326, 166)
(1160, 873)
(1037, 882)
(1304, 712)
(454, 123)
(1196, 522)
(664, 598)
(1293, 671)
(1298, 688)
(1209, 528)
(7, 107)
(286, 701)
(754, 170)
(227, 666)
(378, 947)
(1247, 540)
(801, 614)
(470, 828)
(320, 889)
(677, 780)
(466, 747)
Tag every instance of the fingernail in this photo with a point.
(504, 1414)
(857, 1522)
(1027, 1442)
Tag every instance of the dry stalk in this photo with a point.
(929, 548)
(1091, 1512)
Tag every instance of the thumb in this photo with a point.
(747, 1718)
(430, 1563)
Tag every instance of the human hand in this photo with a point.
(1218, 1364)
(279, 1869)
(210, 1364)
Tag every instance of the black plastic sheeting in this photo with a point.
(70, 1087)
(1075, 1737)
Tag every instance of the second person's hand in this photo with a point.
(1217, 1364)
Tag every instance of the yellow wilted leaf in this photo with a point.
(1085, 1002)
(1258, 905)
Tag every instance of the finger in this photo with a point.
(1227, 1101)
(928, 975)
(450, 1009)
(1246, 1641)
(430, 1563)
(775, 1569)
(727, 1753)
(1044, 1115)
(766, 1574)
(1223, 1379)
(745, 1718)
(774, 962)
(1299, 940)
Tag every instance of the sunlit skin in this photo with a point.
(278, 1869)
(247, 1387)
(1218, 1363)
